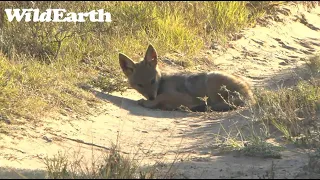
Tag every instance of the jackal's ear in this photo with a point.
(126, 64)
(151, 56)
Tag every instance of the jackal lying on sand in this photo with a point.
(224, 91)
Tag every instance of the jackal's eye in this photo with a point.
(153, 81)
(140, 85)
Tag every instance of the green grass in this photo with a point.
(28, 88)
(260, 148)
(294, 111)
(246, 142)
(113, 165)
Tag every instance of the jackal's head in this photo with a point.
(143, 76)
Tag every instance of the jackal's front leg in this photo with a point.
(170, 101)
(152, 104)
(148, 103)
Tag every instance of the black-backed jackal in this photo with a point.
(223, 91)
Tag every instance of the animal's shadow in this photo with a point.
(137, 110)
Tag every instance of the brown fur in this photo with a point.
(171, 91)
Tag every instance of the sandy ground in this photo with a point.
(265, 55)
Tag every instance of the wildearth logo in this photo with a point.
(56, 15)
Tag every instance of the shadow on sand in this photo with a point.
(15, 173)
(137, 110)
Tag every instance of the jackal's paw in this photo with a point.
(141, 102)
(146, 103)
